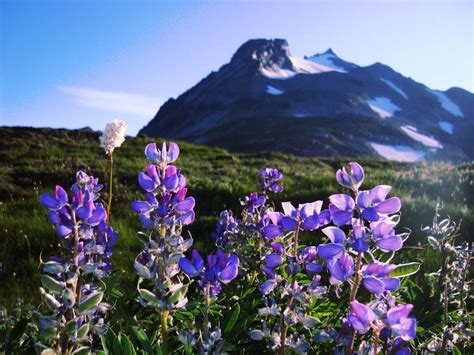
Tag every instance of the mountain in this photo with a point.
(267, 99)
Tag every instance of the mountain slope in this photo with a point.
(267, 99)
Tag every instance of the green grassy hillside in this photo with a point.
(35, 160)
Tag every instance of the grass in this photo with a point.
(35, 160)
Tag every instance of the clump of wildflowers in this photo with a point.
(164, 212)
(219, 269)
(73, 299)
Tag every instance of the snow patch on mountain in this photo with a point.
(446, 126)
(300, 66)
(275, 72)
(400, 153)
(447, 103)
(383, 106)
(326, 59)
(273, 90)
(395, 87)
(427, 141)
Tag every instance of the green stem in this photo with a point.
(164, 331)
(284, 330)
(110, 186)
(355, 288)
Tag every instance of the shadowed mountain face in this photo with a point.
(266, 99)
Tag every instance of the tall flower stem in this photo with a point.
(354, 289)
(376, 342)
(284, 330)
(109, 204)
(205, 326)
(164, 331)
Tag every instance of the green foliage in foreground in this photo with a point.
(33, 161)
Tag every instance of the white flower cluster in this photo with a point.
(113, 136)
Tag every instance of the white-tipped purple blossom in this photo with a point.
(361, 317)
(399, 321)
(374, 204)
(377, 279)
(271, 179)
(113, 136)
(164, 156)
(352, 177)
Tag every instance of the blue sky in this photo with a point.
(72, 64)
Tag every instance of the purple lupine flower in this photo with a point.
(399, 321)
(164, 156)
(308, 216)
(270, 179)
(340, 269)
(219, 268)
(252, 201)
(376, 278)
(309, 255)
(358, 238)
(374, 204)
(353, 179)
(361, 317)
(341, 209)
(225, 226)
(384, 234)
(336, 248)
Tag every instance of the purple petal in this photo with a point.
(391, 283)
(271, 231)
(273, 260)
(61, 195)
(364, 313)
(313, 268)
(54, 217)
(370, 214)
(171, 182)
(379, 193)
(288, 223)
(187, 218)
(146, 221)
(342, 201)
(392, 243)
(374, 285)
(84, 212)
(47, 200)
(341, 218)
(392, 205)
(343, 178)
(336, 235)
(360, 245)
(151, 152)
(98, 215)
(329, 251)
(141, 206)
(197, 260)
(406, 330)
(277, 247)
(398, 313)
(229, 273)
(357, 172)
(187, 267)
(173, 152)
(63, 231)
(324, 217)
(275, 217)
(185, 205)
(311, 223)
(259, 201)
(267, 287)
(289, 209)
(146, 182)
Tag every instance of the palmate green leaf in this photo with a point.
(127, 346)
(231, 318)
(403, 270)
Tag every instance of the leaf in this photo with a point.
(127, 346)
(83, 350)
(142, 338)
(231, 318)
(90, 302)
(51, 284)
(456, 350)
(403, 270)
(82, 332)
(115, 292)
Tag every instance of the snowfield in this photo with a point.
(383, 106)
(399, 153)
(427, 141)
